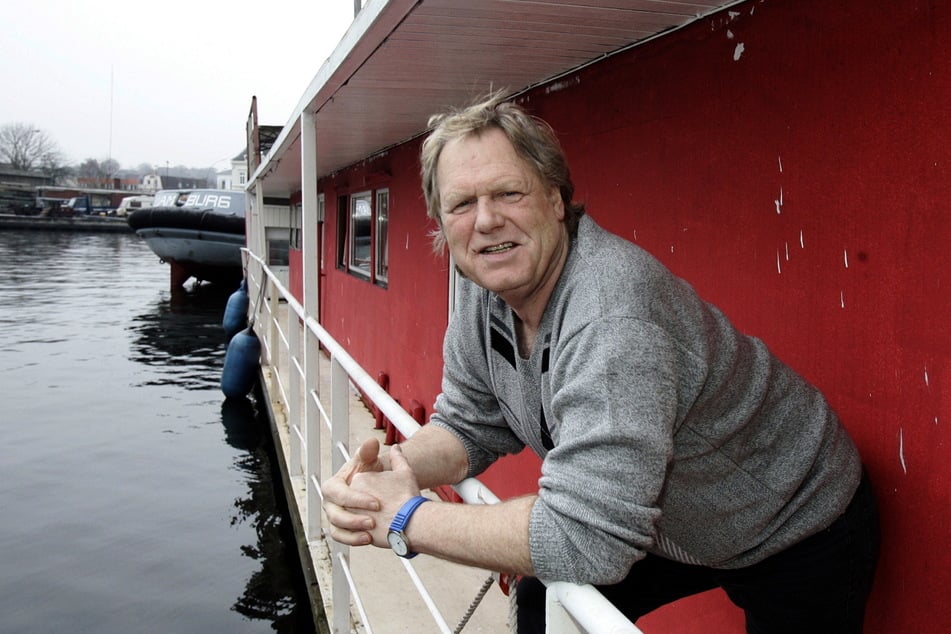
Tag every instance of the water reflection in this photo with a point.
(181, 339)
(120, 464)
(242, 429)
(269, 592)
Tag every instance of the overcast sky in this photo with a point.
(157, 82)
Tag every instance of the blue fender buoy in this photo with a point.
(236, 311)
(241, 364)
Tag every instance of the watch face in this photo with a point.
(398, 543)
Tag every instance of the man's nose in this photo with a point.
(488, 214)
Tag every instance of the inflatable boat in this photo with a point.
(199, 233)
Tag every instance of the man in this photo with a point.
(678, 454)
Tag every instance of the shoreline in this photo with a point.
(101, 224)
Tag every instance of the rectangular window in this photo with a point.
(381, 244)
(320, 227)
(363, 246)
(297, 218)
(343, 224)
(277, 242)
(359, 234)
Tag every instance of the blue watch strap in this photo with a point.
(401, 519)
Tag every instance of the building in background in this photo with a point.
(236, 176)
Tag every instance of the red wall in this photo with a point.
(790, 159)
(398, 329)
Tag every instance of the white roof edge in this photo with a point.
(369, 30)
(321, 87)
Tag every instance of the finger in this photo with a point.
(400, 466)
(339, 492)
(369, 451)
(346, 520)
(364, 459)
(397, 459)
(350, 538)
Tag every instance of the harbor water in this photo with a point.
(133, 497)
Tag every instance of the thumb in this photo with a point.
(368, 453)
(363, 460)
(398, 461)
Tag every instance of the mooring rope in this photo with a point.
(257, 304)
(475, 603)
(513, 606)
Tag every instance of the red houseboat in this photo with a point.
(789, 158)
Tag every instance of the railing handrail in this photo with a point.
(589, 610)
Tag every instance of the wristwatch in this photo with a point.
(397, 535)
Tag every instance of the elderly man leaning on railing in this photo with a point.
(679, 454)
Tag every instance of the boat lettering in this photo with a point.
(165, 200)
(208, 200)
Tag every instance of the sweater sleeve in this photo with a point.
(614, 403)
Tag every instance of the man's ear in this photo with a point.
(556, 202)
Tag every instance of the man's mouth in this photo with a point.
(498, 248)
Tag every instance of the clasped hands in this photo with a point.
(363, 496)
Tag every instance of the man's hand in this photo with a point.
(392, 488)
(361, 499)
(348, 509)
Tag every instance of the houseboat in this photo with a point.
(786, 157)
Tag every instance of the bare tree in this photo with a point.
(109, 167)
(99, 173)
(53, 165)
(89, 169)
(24, 147)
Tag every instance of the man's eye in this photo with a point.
(462, 205)
(512, 196)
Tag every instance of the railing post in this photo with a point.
(273, 335)
(311, 391)
(253, 272)
(340, 442)
(294, 419)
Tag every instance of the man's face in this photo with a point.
(504, 227)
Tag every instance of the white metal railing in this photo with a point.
(296, 342)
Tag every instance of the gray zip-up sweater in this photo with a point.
(661, 427)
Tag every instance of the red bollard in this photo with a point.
(383, 380)
(391, 433)
(417, 411)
